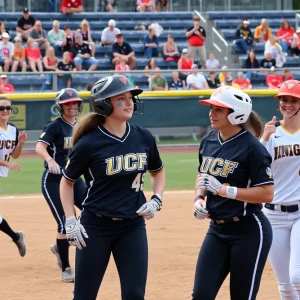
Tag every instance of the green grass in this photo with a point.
(181, 171)
(178, 141)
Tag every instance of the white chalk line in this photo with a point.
(16, 197)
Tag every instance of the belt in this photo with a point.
(283, 208)
(227, 221)
(116, 219)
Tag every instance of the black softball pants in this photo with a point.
(50, 190)
(126, 240)
(240, 249)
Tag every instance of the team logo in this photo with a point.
(124, 80)
(43, 134)
(269, 172)
(290, 86)
(70, 93)
(217, 91)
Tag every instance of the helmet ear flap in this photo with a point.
(103, 107)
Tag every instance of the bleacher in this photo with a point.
(227, 23)
(175, 23)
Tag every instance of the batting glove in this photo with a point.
(53, 167)
(149, 209)
(199, 210)
(213, 185)
(75, 231)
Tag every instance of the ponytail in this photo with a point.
(254, 124)
(86, 124)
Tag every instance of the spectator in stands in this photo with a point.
(224, 74)
(296, 43)
(2, 30)
(273, 81)
(251, 63)
(25, 24)
(212, 62)
(262, 32)
(229, 81)
(68, 41)
(285, 36)
(170, 50)
(39, 35)
(5, 87)
(158, 82)
(151, 65)
(109, 5)
(51, 5)
(145, 5)
(244, 37)
(50, 62)
(212, 81)
(82, 54)
(268, 61)
(56, 37)
(109, 33)
(151, 44)
(123, 50)
(6, 52)
(196, 80)
(196, 35)
(287, 75)
(176, 83)
(85, 31)
(19, 60)
(277, 53)
(71, 6)
(243, 82)
(162, 4)
(64, 80)
(122, 66)
(33, 55)
(185, 65)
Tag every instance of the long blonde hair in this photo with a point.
(86, 124)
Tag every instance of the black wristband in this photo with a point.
(157, 200)
(199, 197)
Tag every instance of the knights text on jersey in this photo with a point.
(8, 143)
(240, 161)
(57, 135)
(284, 148)
(114, 169)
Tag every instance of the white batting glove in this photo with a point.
(53, 166)
(149, 209)
(209, 183)
(75, 232)
(200, 211)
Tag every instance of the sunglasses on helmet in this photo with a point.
(3, 108)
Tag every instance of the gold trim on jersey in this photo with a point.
(290, 132)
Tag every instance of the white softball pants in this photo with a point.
(285, 252)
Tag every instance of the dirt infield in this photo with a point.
(174, 235)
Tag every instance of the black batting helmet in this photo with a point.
(66, 96)
(108, 87)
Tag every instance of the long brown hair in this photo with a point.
(86, 124)
(285, 21)
(254, 124)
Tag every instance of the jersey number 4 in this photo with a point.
(138, 182)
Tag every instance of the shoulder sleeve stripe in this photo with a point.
(42, 141)
(263, 183)
(151, 171)
(70, 179)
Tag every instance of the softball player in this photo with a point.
(235, 175)
(53, 147)
(114, 156)
(282, 140)
(11, 144)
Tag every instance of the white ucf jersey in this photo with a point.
(284, 148)
(8, 143)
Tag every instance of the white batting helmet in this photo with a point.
(235, 99)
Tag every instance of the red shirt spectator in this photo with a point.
(273, 80)
(287, 75)
(71, 6)
(5, 87)
(33, 53)
(286, 32)
(243, 82)
(196, 34)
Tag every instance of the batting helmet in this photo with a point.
(108, 87)
(289, 88)
(230, 97)
(66, 96)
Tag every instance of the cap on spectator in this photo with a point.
(111, 22)
(67, 27)
(25, 10)
(17, 39)
(228, 79)
(119, 35)
(298, 30)
(194, 66)
(78, 36)
(185, 50)
(3, 76)
(246, 21)
(5, 35)
(272, 69)
(224, 68)
(240, 73)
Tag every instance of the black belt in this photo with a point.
(227, 221)
(283, 208)
(116, 219)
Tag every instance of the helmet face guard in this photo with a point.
(68, 95)
(111, 86)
